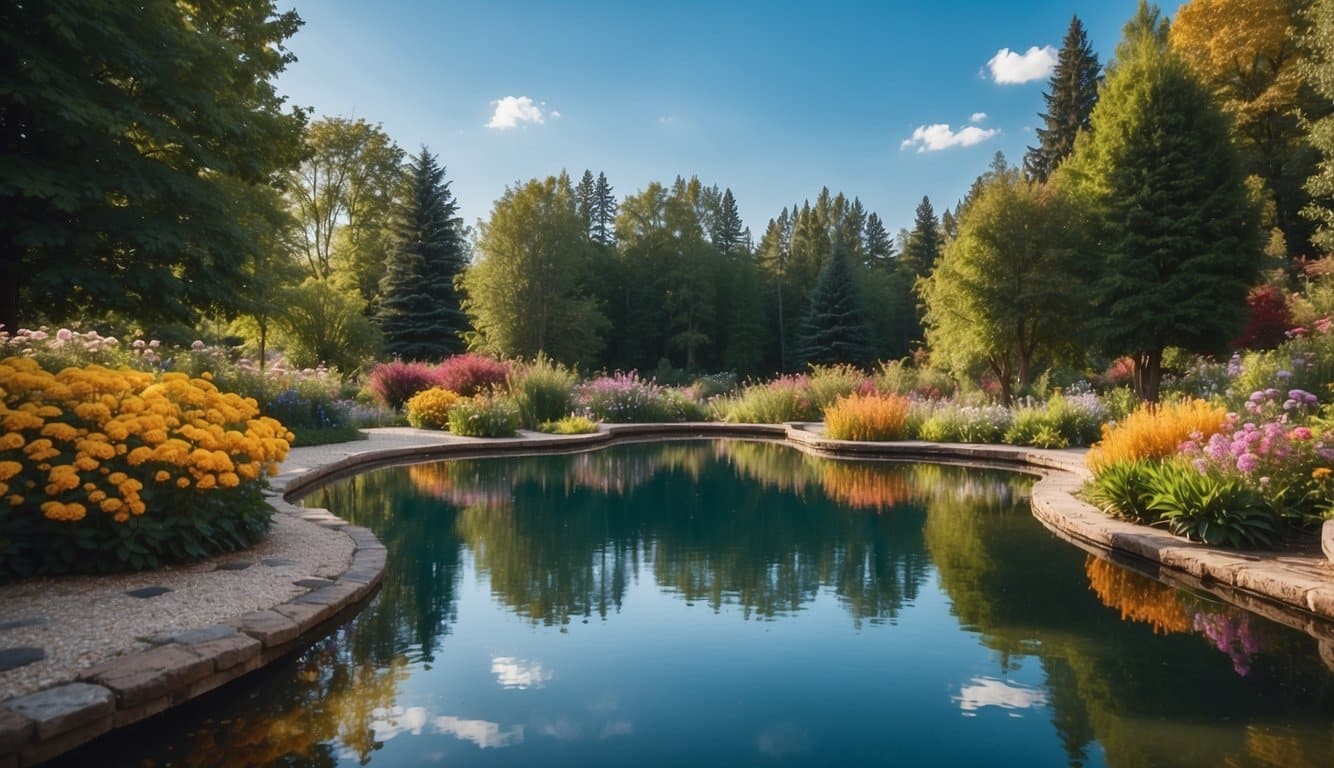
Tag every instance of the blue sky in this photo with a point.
(771, 99)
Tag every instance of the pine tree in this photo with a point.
(1073, 92)
(923, 247)
(585, 200)
(420, 314)
(604, 212)
(836, 329)
(727, 235)
(879, 246)
(1175, 231)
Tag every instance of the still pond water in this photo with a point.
(741, 603)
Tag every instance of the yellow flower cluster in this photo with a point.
(91, 438)
(429, 409)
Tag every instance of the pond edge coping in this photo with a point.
(35, 727)
(181, 666)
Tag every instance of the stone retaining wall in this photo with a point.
(183, 665)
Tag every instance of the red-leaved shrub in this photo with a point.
(393, 384)
(1267, 317)
(471, 373)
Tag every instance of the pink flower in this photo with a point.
(1300, 433)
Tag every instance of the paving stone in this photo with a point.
(305, 615)
(13, 658)
(269, 627)
(1327, 539)
(235, 565)
(27, 621)
(142, 677)
(278, 562)
(336, 596)
(147, 592)
(313, 583)
(64, 708)
(228, 652)
(204, 634)
(15, 730)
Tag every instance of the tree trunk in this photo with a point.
(9, 292)
(1148, 374)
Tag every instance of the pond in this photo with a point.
(744, 603)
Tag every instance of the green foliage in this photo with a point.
(773, 403)
(1121, 489)
(1072, 93)
(1036, 427)
(1207, 507)
(526, 293)
(569, 425)
(543, 391)
(1005, 293)
(322, 325)
(836, 328)
(953, 423)
(419, 312)
(1318, 70)
(192, 525)
(1174, 233)
(123, 122)
(484, 416)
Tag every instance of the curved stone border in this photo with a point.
(183, 665)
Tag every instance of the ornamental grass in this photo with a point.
(868, 417)
(1155, 431)
(104, 470)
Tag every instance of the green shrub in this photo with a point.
(570, 425)
(786, 398)
(484, 416)
(1121, 490)
(827, 383)
(1212, 508)
(950, 423)
(543, 391)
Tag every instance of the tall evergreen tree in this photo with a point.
(836, 329)
(879, 245)
(1174, 227)
(604, 212)
(923, 246)
(420, 314)
(1072, 93)
(585, 199)
(727, 231)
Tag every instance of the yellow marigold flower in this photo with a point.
(162, 476)
(206, 376)
(97, 413)
(89, 487)
(49, 412)
(121, 448)
(11, 440)
(131, 486)
(17, 421)
(95, 447)
(249, 470)
(1320, 473)
(116, 430)
(60, 431)
(229, 480)
(137, 507)
(139, 455)
(206, 482)
(182, 482)
(74, 511)
(15, 500)
(121, 517)
(85, 462)
(97, 496)
(53, 510)
(4, 488)
(116, 478)
(111, 504)
(9, 468)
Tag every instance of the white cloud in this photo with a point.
(933, 138)
(513, 111)
(977, 117)
(483, 733)
(1010, 68)
(518, 673)
(990, 692)
(554, 114)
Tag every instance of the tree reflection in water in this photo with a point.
(561, 538)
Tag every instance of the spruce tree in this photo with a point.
(879, 246)
(1073, 92)
(837, 329)
(1175, 232)
(727, 237)
(420, 314)
(923, 247)
(604, 212)
(585, 198)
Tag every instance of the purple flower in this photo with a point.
(1248, 463)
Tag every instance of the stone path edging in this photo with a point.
(183, 665)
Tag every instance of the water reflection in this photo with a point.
(918, 595)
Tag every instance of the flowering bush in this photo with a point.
(484, 416)
(429, 409)
(471, 373)
(868, 417)
(106, 470)
(393, 383)
(1153, 432)
(952, 423)
(625, 398)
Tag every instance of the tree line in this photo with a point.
(1157, 193)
